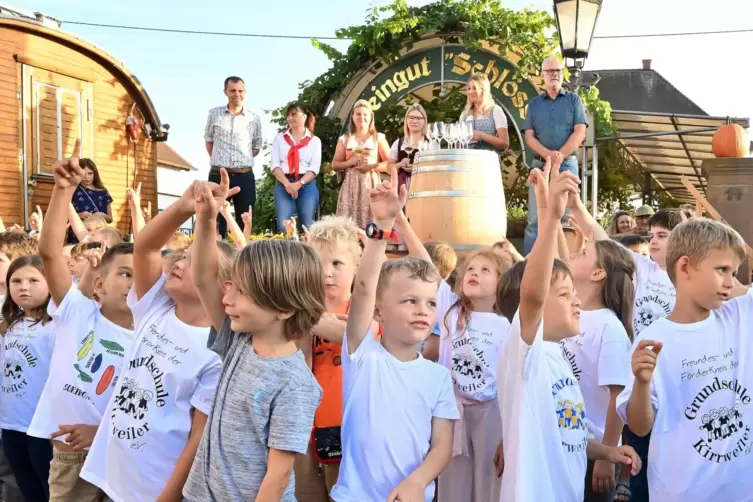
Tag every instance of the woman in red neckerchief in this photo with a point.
(296, 159)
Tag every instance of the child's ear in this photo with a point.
(377, 315)
(598, 275)
(98, 285)
(682, 267)
(284, 316)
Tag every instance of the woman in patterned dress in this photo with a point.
(361, 155)
(91, 198)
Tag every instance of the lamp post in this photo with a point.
(576, 20)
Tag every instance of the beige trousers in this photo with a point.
(65, 483)
(472, 478)
(314, 481)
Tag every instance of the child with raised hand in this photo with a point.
(603, 277)
(398, 407)
(90, 347)
(692, 372)
(28, 337)
(545, 437)
(148, 438)
(335, 240)
(472, 334)
(266, 399)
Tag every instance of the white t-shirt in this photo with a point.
(599, 356)
(654, 293)
(27, 350)
(470, 355)
(168, 372)
(388, 406)
(89, 352)
(544, 424)
(702, 395)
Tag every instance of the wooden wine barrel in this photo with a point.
(456, 197)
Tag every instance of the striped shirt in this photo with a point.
(234, 137)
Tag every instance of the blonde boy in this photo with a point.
(336, 242)
(692, 373)
(398, 457)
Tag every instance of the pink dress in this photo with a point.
(353, 200)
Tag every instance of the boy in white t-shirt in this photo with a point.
(398, 408)
(692, 374)
(544, 421)
(149, 435)
(91, 342)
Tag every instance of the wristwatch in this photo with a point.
(373, 232)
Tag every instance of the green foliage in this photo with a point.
(390, 29)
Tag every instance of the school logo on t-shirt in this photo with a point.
(653, 304)
(719, 409)
(90, 358)
(571, 414)
(18, 358)
(569, 355)
(468, 363)
(142, 388)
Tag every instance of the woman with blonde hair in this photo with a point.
(404, 150)
(361, 155)
(487, 118)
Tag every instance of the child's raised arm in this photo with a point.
(537, 277)
(206, 261)
(77, 226)
(68, 175)
(640, 409)
(385, 206)
(239, 238)
(587, 222)
(412, 242)
(134, 205)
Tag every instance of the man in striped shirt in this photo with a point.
(233, 138)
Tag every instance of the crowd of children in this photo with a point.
(175, 369)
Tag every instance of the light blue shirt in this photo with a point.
(553, 120)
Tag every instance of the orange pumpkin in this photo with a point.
(730, 140)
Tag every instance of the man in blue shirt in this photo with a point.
(556, 123)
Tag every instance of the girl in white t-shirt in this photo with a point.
(472, 334)
(28, 341)
(598, 354)
(148, 440)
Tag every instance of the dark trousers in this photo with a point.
(639, 483)
(243, 201)
(29, 458)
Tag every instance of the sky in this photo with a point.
(183, 74)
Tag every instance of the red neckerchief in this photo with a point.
(294, 156)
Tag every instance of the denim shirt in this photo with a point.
(553, 120)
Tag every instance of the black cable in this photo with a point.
(303, 37)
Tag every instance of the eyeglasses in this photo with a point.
(414, 117)
(553, 72)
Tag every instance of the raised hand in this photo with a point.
(206, 205)
(644, 360)
(561, 187)
(247, 218)
(225, 208)
(385, 200)
(67, 172)
(539, 178)
(133, 195)
(35, 220)
(94, 257)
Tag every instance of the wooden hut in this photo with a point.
(54, 88)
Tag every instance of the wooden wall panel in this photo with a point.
(107, 146)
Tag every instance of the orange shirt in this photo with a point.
(327, 368)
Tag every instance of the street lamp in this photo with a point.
(576, 20)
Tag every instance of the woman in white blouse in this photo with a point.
(296, 159)
(488, 119)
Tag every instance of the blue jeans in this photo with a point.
(639, 483)
(532, 230)
(305, 205)
(29, 458)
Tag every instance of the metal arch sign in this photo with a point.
(454, 63)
